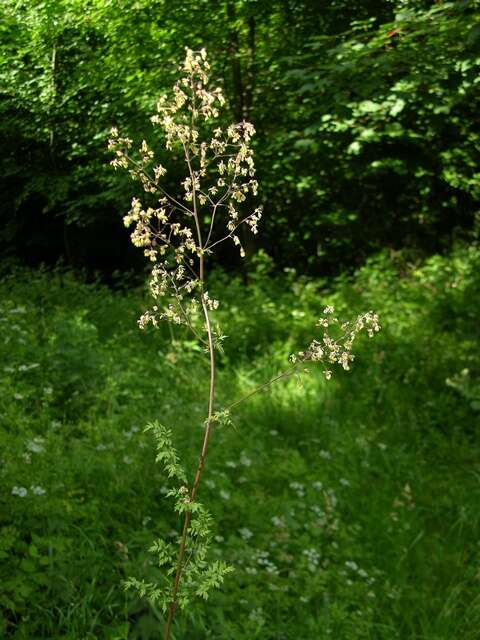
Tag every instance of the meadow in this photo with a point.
(349, 508)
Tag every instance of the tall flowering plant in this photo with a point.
(177, 234)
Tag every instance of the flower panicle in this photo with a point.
(175, 232)
(333, 350)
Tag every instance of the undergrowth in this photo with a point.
(372, 479)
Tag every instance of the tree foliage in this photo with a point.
(365, 112)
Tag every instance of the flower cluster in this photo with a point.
(22, 492)
(177, 231)
(337, 348)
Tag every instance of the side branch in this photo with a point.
(281, 376)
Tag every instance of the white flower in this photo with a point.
(21, 492)
(313, 557)
(37, 490)
(36, 445)
(257, 615)
(245, 460)
(245, 533)
(278, 522)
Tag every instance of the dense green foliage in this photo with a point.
(365, 112)
(349, 508)
(368, 484)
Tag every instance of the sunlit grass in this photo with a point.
(350, 509)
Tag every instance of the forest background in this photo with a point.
(367, 152)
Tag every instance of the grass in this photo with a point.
(349, 508)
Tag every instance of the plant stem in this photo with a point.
(198, 475)
(208, 425)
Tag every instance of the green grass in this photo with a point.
(350, 509)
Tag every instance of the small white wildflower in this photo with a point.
(333, 498)
(245, 533)
(37, 490)
(245, 460)
(36, 445)
(277, 522)
(21, 492)
(313, 557)
(317, 510)
(257, 615)
(298, 488)
(329, 310)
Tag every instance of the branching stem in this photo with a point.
(208, 425)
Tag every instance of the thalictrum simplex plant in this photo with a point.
(178, 233)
